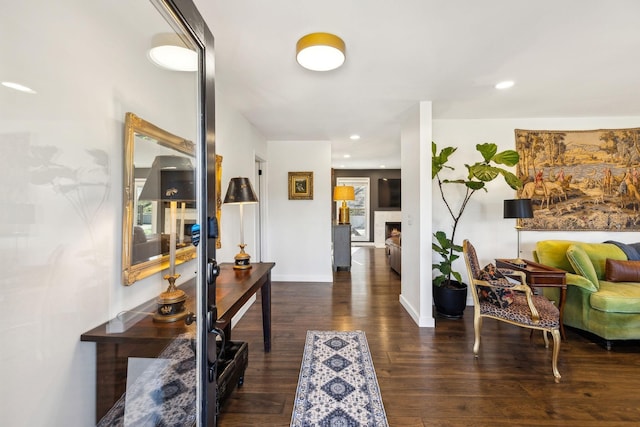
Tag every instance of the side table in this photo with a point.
(541, 276)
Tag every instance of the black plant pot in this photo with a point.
(450, 299)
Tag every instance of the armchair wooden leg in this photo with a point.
(556, 352)
(546, 339)
(477, 325)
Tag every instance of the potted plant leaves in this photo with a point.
(449, 292)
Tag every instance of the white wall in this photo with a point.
(492, 235)
(61, 156)
(416, 215)
(239, 143)
(299, 231)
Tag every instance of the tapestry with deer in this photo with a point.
(580, 180)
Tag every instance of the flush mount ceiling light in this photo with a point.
(320, 51)
(170, 52)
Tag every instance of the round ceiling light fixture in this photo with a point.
(169, 51)
(320, 51)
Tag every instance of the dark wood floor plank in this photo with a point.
(429, 377)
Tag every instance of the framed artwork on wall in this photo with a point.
(300, 185)
(580, 180)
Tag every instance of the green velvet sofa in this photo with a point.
(608, 309)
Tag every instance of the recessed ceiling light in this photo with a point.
(320, 52)
(505, 84)
(382, 166)
(18, 86)
(346, 156)
(170, 52)
(341, 166)
(354, 137)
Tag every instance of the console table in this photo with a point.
(341, 246)
(541, 276)
(147, 338)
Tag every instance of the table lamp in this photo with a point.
(344, 193)
(171, 179)
(240, 192)
(518, 208)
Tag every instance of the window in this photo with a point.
(358, 208)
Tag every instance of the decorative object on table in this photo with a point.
(337, 383)
(518, 209)
(320, 51)
(300, 185)
(454, 293)
(580, 180)
(240, 192)
(171, 179)
(344, 193)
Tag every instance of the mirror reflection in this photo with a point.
(159, 199)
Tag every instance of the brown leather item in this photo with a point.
(622, 271)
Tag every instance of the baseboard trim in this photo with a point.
(322, 278)
(421, 321)
(409, 308)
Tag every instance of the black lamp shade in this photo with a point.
(171, 178)
(240, 191)
(518, 208)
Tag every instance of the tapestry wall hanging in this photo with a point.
(580, 180)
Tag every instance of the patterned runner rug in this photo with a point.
(337, 384)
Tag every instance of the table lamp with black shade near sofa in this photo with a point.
(518, 208)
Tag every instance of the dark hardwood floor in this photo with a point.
(429, 377)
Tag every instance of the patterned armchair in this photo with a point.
(496, 297)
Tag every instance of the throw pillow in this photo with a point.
(622, 271)
(582, 264)
(496, 295)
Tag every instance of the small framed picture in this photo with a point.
(300, 185)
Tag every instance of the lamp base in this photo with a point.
(343, 213)
(242, 259)
(171, 303)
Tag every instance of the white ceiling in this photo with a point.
(568, 58)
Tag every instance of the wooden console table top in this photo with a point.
(233, 290)
(147, 338)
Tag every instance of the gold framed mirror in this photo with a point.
(145, 238)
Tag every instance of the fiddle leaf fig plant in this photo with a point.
(478, 174)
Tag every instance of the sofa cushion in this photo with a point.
(622, 271)
(599, 252)
(554, 254)
(618, 297)
(497, 294)
(581, 263)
